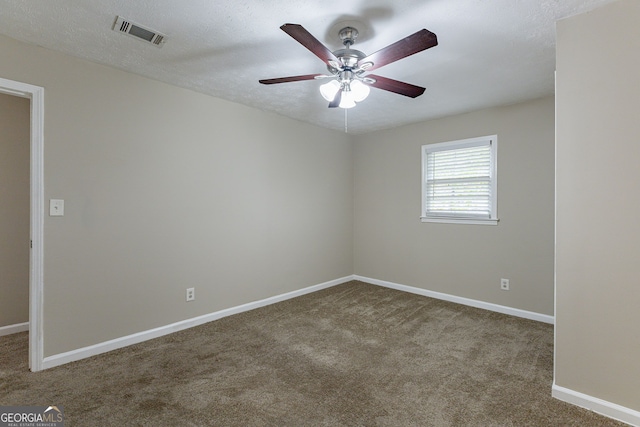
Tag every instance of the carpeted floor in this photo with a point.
(352, 355)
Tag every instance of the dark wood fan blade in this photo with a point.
(307, 40)
(395, 86)
(289, 79)
(336, 101)
(417, 42)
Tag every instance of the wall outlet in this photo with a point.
(504, 284)
(191, 294)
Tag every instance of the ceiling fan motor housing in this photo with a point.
(348, 59)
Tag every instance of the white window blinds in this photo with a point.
(459, 179)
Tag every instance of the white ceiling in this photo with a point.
(490, 52)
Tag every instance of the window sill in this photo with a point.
(460, 220)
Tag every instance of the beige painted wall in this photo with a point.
(392, 244)
(598, 231)
(14, 209)
(167, 189)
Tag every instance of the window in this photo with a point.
(459, 181)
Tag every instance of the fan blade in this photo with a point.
(289, 79)
(305, 38)
(417, 42)
(395, 86)
(336, 101)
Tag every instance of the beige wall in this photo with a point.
(14, 209)
(167, 189)
(392, 244)
(598, 207)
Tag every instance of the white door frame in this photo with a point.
(36, 259)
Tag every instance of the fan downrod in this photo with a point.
(348, 35)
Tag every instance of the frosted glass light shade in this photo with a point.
(329, 90)
(359, 90)
(355, 91)
(347, 100)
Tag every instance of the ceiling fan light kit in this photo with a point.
(348, 84)
(352, 92)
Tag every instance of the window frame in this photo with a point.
(492, 141)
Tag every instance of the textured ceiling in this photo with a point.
(490, 52)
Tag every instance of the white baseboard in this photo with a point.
(460, 300)
(14, 329)
(594, 404)
(93, 350)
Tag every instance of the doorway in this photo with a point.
(14, 213)
(36, 216)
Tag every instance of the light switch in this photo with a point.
(56, 207)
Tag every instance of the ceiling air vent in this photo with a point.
(125, 26)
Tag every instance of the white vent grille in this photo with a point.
(123, 25)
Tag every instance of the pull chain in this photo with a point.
(346, 126)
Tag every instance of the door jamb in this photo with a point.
(36, 258)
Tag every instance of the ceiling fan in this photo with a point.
(347, 66)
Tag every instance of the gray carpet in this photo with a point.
(352, 355)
